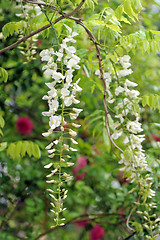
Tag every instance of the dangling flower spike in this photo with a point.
(61, 95)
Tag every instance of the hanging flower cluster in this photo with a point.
(123, 100)
(28, 10)
(60, 66)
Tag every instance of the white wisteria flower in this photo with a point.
(130, 84)
(117, 134)
(62, 93)
(134, 127)
(127, 123)
(124, 73)
(119, 90)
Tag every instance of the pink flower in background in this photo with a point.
(82, 223)
(24, 125)
(81, 163)
(97, 233)
(123, 216)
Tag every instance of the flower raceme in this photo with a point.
(60, 67)
(123, 98)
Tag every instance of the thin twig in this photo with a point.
(129, 216)
(30, 35)
(74, 220)
(64, 15)
(42, 4)
(129, 237)
(56, 9)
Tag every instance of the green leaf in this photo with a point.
(138, 226)
(128, 10)
(29, 149)
(3, 145)
(11, 150)
(3, 75)
(106, 139)
(136, 108)
(153, 101)
(157, 124)
(90, 3)
(113, 27)
(2, 122)
(35, 150)
(119, 11)
(136, 5)
(18, 149)
(24, 148)
(93, 88)
(1, 133)
(128, 155)
(125, 20)
(11, 27)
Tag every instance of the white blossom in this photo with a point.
(130, 84)
(48, 165)
(76, 125)
(124, 73)
(55, 121)
(62, 93)
(134, 127)
(117, 134)
(72, 133)
(118, 90)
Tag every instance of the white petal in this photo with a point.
(48, 165)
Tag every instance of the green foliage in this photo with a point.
(91, 3)
(114, 27)
(10, 28)
(19, 149)
(2, 123)
(3, 145)
(129, 7)
(153, 101)
(145, 41)
(40, 21)
(138, 227)
(3, 75)
(106, 140)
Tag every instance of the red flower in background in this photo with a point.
(97, 232)
(81, 163)
(82, 223)
(156, 138)
(24, 125)
(39, 42)
(122, 179)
